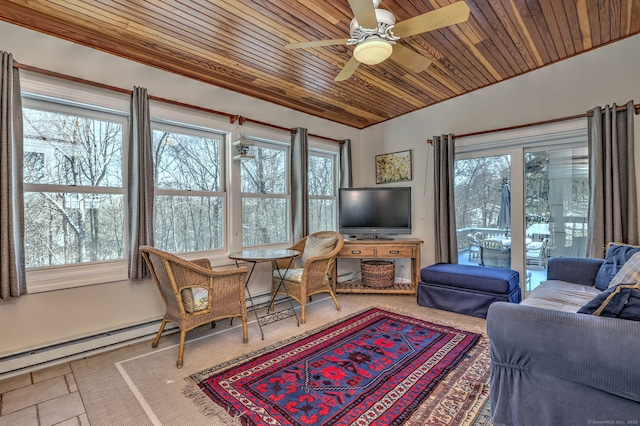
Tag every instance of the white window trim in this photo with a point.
(58, 277)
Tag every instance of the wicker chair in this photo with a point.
(313, 277)
(195, 294)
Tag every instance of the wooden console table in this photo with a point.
(408, 248)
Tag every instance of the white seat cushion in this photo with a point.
(294, 274)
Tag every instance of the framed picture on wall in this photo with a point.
(393, 167)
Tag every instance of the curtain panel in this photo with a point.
(12, 263)
(299, 183)
(140, 183)
(613, 215)
(446, 242)
(346, 173)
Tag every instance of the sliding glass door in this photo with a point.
(522, 197)
(481, 206)
(556, 206)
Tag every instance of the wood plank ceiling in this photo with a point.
(239, 45)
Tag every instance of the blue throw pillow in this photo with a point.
(621, 301)
(613, 261)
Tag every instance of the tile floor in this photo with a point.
(42, 398)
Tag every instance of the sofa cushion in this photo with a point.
(629, 273)
(316, 246)
(560, 296)
(620, 301)
(616, 257)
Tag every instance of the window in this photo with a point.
(265, 195)
(189, 203)
(75, 189)
(73, 185)
(322, 191)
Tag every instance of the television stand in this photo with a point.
(378, 248)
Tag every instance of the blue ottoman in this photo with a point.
(467, 289)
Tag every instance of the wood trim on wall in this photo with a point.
(232, 117)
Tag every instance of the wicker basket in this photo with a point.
(378, 273)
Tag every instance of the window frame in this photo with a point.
(286, 148)
(208, 133)
(333, 156)
(56, 277)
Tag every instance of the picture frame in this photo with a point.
(394, 167)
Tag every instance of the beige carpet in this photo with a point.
(138, 385)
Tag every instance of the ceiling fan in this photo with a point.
(375, 34)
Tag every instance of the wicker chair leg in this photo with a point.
(183, 335)
(245, 331)
(333, 296)
(303, 317)
(154, 344)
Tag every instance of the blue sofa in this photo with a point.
(553, 366)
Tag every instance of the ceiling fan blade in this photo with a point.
(455, 13)
(409, 58)
(348, 70)
(365, 13)
(318, 43)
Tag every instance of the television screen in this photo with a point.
(374, 212)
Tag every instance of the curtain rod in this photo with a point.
(537, 123)
(232, 117)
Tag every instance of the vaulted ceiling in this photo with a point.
(240, 45)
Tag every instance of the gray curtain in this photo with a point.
(299, 183)
(140, 179)
(346, 174)
(12, 268)
(446, 243)
(613, 215)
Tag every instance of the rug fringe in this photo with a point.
(210, 408)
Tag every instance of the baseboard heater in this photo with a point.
(46, 356)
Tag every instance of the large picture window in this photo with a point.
(189, 203)
(73, 185)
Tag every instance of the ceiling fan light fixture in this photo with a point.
(373, 51)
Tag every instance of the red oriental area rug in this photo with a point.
(373, 368)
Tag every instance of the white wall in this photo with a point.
(603, 76)
(567, 88)
(36, 320)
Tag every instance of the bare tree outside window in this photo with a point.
(265, 196)
(189, 204)
(322, 193)
(478, 187)
(74, 196)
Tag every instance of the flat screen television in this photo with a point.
(369, 213)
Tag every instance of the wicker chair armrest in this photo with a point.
(205, 263)
(208, 272)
